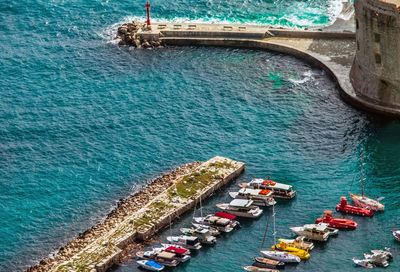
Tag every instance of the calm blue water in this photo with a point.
(85, 122)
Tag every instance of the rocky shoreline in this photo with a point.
(125, 207)
(127, 35)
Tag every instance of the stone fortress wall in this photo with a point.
(375, 74)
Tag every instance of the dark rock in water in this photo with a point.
(122, 30)
(146, 44)
(127, 35)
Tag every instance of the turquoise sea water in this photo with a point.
(85, 123)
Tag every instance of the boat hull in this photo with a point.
(367, 203)
(252, 215)
(280, 256)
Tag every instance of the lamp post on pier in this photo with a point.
(148, 13)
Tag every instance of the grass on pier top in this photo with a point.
(189, 186)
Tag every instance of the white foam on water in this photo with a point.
(308, 75)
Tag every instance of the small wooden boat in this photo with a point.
(396, 235)
(363, 263)
(280, 256)
(340, 223)
(189, 242)
(258, 269)
(241, 208)
(203, 234)
(279, 190)
(345, 208)
(163, 258)
(150, 265)
(319, 232)
(260, 197)
(269, 263)
(298, 243)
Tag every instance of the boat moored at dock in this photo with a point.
(163, 258)
(283, 247)
(190, 242)
(318, 232)
(279, 190)
(150, 265)
(260, 197)
(221, 224)
(298, 242)
(345, 208)
(258, 269)
(340, 223)
(268, 263)
(396, 235)
(241, 208)
(203, 234)
(280, 256)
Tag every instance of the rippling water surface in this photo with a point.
(85, 122)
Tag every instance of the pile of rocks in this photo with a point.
(124, 208)
(127, 35)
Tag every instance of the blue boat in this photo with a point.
(150, 265)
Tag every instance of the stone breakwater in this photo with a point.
(127, 34)
(124, 208)
(139, 217)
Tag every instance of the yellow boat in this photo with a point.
(302, 254)
(298, 243)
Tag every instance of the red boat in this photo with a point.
(333, 222)
(344, 208)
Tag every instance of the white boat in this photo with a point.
(163, 258)
(280, 256)
(241, 208)
(189, 242)
(181, 255)
(150, 265)
(363, 263)
(213, 231)
(260, 197)
(279, 190)
(379, 257)
(318, 232)
(258, 269)
(203, 234)
(363, 201)
(221, 224)
(366, 202)
(396, 235)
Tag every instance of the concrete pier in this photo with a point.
(106, 248)
(331, 49)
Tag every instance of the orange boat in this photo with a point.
(340, 223)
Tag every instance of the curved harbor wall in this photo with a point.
(375, 74)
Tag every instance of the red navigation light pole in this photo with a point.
(148, 12)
